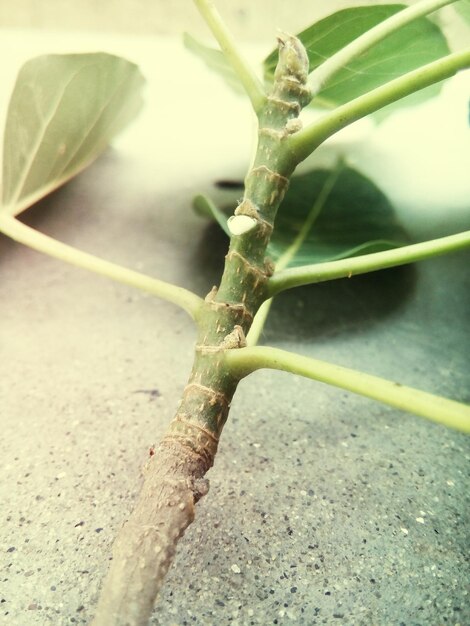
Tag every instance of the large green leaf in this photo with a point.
(354, 218)
(63, 112)
(413, 45)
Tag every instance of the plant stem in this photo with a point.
(258, 323)
(145, 546)
(24, 234)
(284, 260)
(448, 412)
(323, 73)
(304, 142)
(345, 268)
(251, 83)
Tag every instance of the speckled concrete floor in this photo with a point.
(324, 508)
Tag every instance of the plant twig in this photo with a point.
(324, 72)
(146, 544)
(345, 268)
(304, 142)
(251, 83)
(174, 480)
(24, 234)
(435, 408)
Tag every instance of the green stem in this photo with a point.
(323, 73)
(174, 480)
(304, 142)
(251, 83)
(258, 323)
(284, 260)
(345, 268)
(448, 412)
(22, 233)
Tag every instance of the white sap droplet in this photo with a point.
(240, 224)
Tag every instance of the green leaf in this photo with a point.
(63, 112)
(355, 218)
(215, 61)
(413, 45)
(463, 7)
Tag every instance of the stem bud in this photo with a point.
(293, 60)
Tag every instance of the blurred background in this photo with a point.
(248, 20)
(415, 156)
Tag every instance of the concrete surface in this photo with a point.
(324, 507)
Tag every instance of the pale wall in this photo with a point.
(247, 18)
